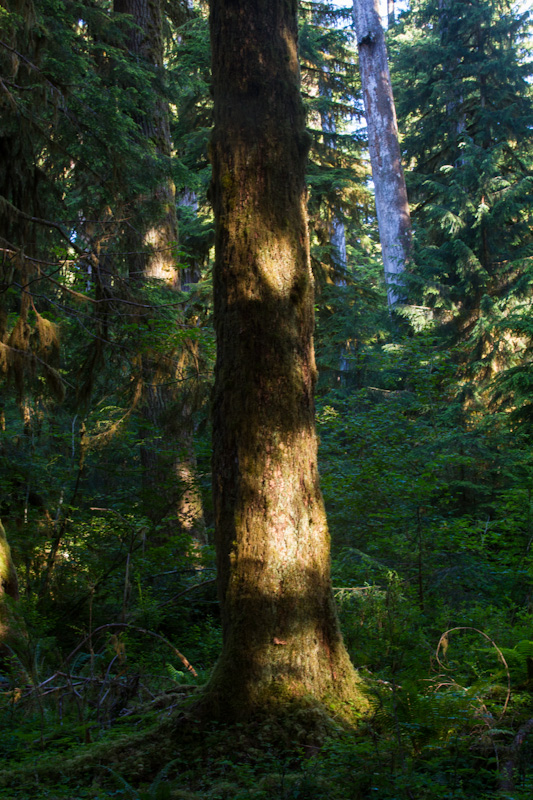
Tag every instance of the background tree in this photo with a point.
(461, 73)
(150, 240)
(392, 206)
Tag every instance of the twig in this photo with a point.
(185, 591)
(182, 658)
(444, 638)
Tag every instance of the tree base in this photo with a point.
(190, 741)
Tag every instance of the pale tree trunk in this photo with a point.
(168, 459)
(191, 271)
(390, 13)
(389, 183)
(281, 638)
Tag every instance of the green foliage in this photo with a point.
(424, 418)
(464, 101)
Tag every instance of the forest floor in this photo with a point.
(159, 751)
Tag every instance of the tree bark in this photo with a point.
(337, 230)
(9, 628)
(281, 639)
(392, 207)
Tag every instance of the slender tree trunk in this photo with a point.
(168, 457)
(337, 230)
(390, 13)
(281, 639)
(389, 183)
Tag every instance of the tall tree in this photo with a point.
(153, 230)
(281, 639)
(168, 457)
(392, 206)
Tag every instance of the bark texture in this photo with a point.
(281, 640)
(8, 588)
(392, 207)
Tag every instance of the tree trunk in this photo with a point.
(392, 208)
(153, 228)
(8, 588)
(390, 13)
(168, 458)
(337, 230)
(281, 639)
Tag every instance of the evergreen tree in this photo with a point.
(150, 241)
(461, 80)
(281, 639)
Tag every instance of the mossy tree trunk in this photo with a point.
(168, 457)
(281, 640)
(8, 589)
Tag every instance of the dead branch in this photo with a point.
(443, 643)
(127, 625)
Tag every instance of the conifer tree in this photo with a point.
(168, 457)
(461, 82)
(281, 640)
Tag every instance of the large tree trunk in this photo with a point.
(392, 208)
(168, 457)
(281, 639)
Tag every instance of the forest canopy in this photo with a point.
(173, 212)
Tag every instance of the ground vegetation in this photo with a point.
(109, 619)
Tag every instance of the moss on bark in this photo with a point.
(281, 636)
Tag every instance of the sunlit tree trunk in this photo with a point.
(8, 588)
(281, 639)
(390, 13)
(168, 458)
(389, 183)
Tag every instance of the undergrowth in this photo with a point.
(443, 723)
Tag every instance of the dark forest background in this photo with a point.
(108, 610)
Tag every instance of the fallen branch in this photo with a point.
(187, 590)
